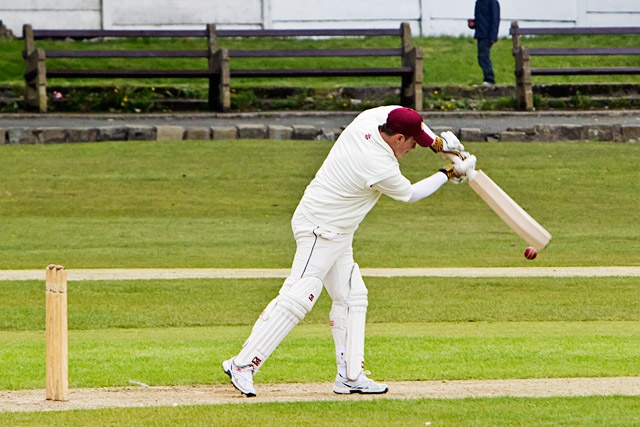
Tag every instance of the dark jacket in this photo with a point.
(487, 19)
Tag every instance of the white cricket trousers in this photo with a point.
(320, 254)
(323, 254)
(329, 257)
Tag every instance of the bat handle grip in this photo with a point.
(471, 174)
(464, 167)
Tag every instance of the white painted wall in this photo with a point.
(144, 14)
(50, 14)
(612, 13)
(427, 17)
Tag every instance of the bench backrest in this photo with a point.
(212, 34)
(409, 70)
(522, 55)
(516, 32)
(403, 32)
(572, 31)
(218, 70)
(30, 36)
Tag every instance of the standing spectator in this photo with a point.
(486, 23)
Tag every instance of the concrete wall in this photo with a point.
(427, 17)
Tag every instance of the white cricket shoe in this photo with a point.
(362, 385)
(241, 377)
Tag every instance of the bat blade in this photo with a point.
(510, 212)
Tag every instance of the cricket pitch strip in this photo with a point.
(282, 273)
(144, 396)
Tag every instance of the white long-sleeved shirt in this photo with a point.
(360, 167)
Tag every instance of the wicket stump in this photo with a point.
(57, 375)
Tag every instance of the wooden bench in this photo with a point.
(36, 71)
(410, 69)
(522, 54)
(218, 69)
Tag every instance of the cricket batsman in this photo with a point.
(361, 166)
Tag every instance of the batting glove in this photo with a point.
(457, 171)
(447, 142)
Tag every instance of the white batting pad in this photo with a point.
(338, 316)
(277, 320)
(356, 320)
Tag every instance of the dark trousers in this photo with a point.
(484, 60)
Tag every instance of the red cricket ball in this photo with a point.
(530, 253)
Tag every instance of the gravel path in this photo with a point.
(221, 273)
(144, 396)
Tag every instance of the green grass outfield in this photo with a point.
(227, 204)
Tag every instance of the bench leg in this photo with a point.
(219, 95)
(219, 88)
(524, 91)
(31, 93)
(214, 94)
(36, 81)
(411, 91)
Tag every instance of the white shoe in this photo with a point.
(362, 385)
(241, 377)
(489, 85)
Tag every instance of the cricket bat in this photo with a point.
(507, 209)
